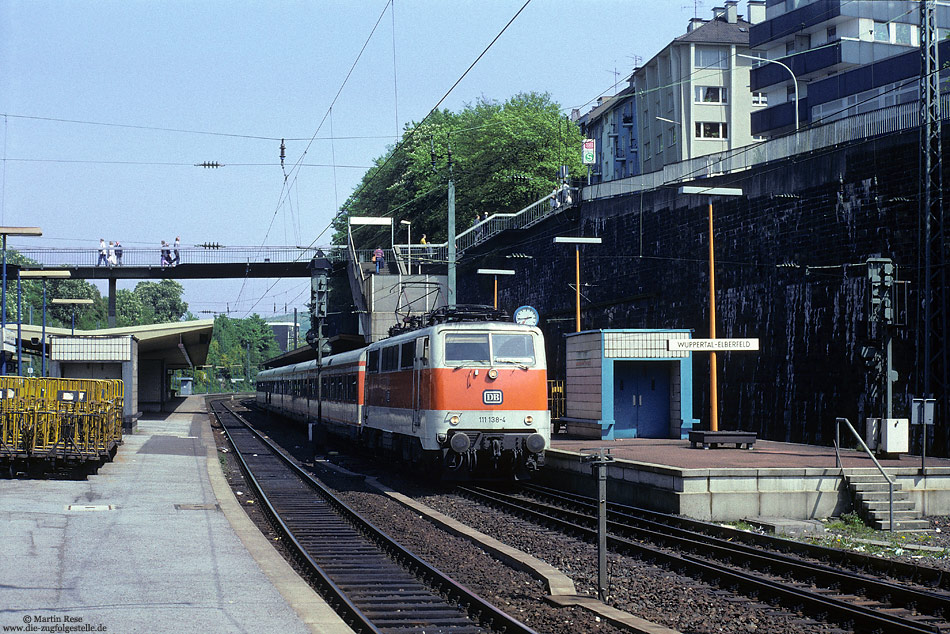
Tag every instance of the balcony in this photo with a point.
(780, 118)
(797, 21)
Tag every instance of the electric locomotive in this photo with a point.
(459, 389)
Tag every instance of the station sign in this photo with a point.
(712, 345)
(588, 156)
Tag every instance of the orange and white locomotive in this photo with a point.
(469, 396)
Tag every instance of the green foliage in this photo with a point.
(160, 301)
(236, 346)
(504, 156)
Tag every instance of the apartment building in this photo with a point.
(847, 56)
(612, 125)
(693, 97)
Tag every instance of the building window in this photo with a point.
(831, 34)
(671, 136)
(789, 47)
(659, 143)
(902, 34)
(881, 32)
(646, 149)
(711, 130)
(711, 57)
(760, 99)
(711, 94)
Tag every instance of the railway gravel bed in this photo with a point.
(653, 593)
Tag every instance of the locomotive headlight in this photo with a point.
(461, 443)
(534, 443)
(528, 420)
(493, 374)
(454, 420)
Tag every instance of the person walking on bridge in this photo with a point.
(379, 258)
(103, 259)
(177, 246)
(118, 253)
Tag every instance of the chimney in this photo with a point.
(719, 12)
(732, 11)
(756, 11)
(695, 23)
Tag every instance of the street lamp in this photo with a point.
(794, 79)
(73, 303)
(496, 273)
(44, 275)
(577, 242)
(713, 390)
(9, 231)
(409, 238)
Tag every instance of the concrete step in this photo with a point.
(899, 496)
(912, 525)
(859, 487)
(882, 505)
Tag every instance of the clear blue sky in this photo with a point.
(107, 105)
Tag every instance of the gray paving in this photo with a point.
(115, 551)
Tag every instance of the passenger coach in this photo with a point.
(468, 396)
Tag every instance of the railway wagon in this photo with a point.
(48, 422)
(469, 397)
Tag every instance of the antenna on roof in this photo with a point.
(696, 5)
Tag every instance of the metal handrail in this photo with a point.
(890, 483)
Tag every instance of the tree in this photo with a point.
(504, 156)
(161, 302)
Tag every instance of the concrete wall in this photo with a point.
(822, 212)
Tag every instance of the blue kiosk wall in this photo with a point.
(627, 384)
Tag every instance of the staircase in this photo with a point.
(870, 493)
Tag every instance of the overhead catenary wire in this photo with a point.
(412, 132)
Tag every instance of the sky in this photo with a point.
(107, 106)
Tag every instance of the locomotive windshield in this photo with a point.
(495, 348)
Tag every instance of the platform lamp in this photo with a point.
(44, 275)
(4, 232)
(713, 389)
(73, 303)
(577, 242)
(496, 273)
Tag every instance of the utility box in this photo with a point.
(872, 433)
(895, 435)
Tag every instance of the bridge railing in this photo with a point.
(151, 256)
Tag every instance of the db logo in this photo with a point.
(492, 397)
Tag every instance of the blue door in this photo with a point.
(641, 399)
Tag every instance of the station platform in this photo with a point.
(155, 542)
(774, 479)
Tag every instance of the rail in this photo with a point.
(890, 483)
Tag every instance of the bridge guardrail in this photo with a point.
(151, 256)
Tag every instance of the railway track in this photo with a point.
(843, 596)
(375, 584)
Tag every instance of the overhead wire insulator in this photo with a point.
(209, 164)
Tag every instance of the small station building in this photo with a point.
(144, 357)
(628, 383)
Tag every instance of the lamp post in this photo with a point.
(713, 389)
(44, 275)
(73, 303)
(409, 239)
(577, 242)
(4, 232)
(496, 273)
(794, 79)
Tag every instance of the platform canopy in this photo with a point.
(179, 344)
